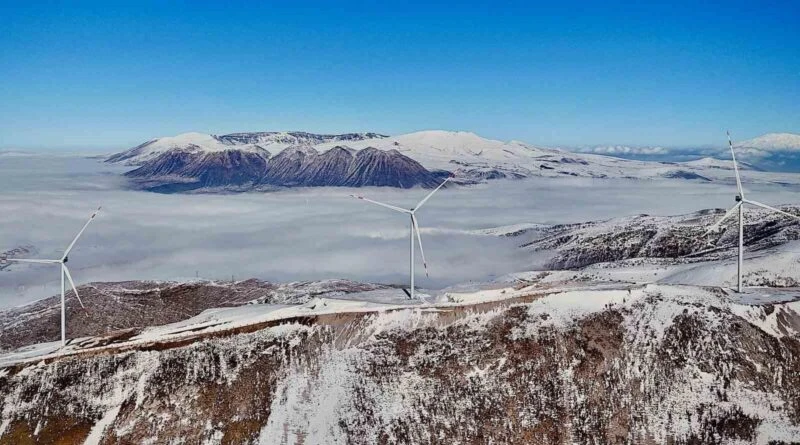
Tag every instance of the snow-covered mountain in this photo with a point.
(772, 142)
(247, 160)
(296, 166)
(714, 163)
(438, 148)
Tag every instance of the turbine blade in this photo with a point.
(727, 215)
(72, 244)
(735, 167)
(72, 283)
(758, 204)
(419, 240)
(382, 204)
(425, 199)
(21, 260)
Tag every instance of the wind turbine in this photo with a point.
(739, 207)
(64, 273)
(413, 228)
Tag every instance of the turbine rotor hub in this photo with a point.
(738, 198)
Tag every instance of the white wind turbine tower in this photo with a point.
(413, 228)
(64, 273)
(739, 207)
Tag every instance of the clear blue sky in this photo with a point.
(107, 74)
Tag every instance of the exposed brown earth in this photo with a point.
(525, 370)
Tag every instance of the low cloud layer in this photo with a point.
(784, 159)
(624, 150)
(299, 234)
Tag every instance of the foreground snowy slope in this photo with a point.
(111, 307)
(641, 364)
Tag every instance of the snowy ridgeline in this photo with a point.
(126, 308)
(652, 363)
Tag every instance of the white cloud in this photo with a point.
(306, 234)
(623, 150)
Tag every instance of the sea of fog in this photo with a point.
(298, 234)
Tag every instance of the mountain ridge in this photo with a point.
(418, 158)
(295, 166)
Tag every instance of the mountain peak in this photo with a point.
(192, 137)
(775, 141)
(445, 138)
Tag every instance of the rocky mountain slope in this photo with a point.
(115, 307)
(680, 237)
(638, 364)
(177, 170)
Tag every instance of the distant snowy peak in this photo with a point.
(773, 141)
(185, 143)
(723, 164)
(258, 142)
(286, 139)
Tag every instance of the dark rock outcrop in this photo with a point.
(202, 170)
(644, 236)
(298, 166)
(285, 167)
(373, 167)
(328, 168)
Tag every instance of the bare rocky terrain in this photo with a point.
(641, 364)
(680, 238)
(234, 170)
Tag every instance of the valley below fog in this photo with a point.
(302, 233)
